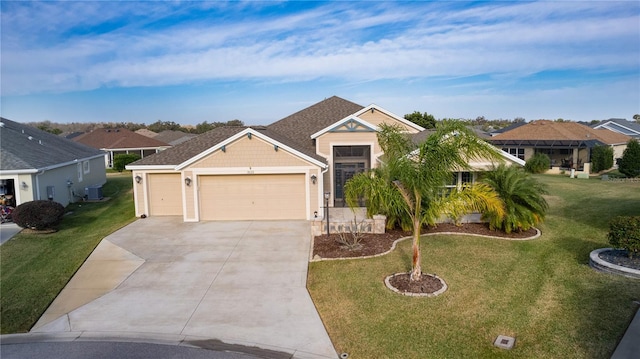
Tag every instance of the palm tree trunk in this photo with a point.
(416, 271)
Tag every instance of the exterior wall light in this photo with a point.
(187, 181)
(138, 179)
(24, 185)
(314, 178)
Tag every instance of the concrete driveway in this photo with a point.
(238, 282)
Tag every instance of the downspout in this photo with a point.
(38, 184)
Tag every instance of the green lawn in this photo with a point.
(35, 267)
(543, 291)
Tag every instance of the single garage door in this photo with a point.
(165, 194)
(252, 197)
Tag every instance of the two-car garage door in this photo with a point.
(252, 197)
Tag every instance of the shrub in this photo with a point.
(119, 161)
(601, 158)
(524, 205)
(38, 215)
(539, 163)
(624, 232)
(629, 164)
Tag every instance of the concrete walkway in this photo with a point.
(7, 231)
(237, 282)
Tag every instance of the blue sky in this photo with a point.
(190, 62)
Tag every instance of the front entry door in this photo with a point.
(343, 172)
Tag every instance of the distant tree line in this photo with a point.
(158, 126)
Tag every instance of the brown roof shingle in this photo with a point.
(561, 131)
(301, 125)
(184, 151)
(117, 138)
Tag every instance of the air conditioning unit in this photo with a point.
(93, 193)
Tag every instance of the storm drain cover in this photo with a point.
(504, 342)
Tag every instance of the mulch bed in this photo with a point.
(426, 285)
(620, 257)
(328, 247)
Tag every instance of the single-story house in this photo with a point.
(35, 164)
(174, 137)
(114, 141)
(290, 169)
(620, 125)
(568, 144)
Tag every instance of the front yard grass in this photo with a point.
(35, 267)
(543, 291)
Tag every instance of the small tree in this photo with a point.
(120, 161)
(629, 164)
(539, 163)
(624, 232)
(425, 120)
(601, 158)
(39, 214)
(524, 206)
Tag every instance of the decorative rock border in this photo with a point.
(387, 282)
(317, 258)
(601, 265)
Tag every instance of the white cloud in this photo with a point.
(357, 42)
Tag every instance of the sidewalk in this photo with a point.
(7, 231)
(629, 346)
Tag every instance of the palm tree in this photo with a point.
(524, 205)
(408, 186)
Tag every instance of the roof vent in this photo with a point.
(40, 141)
(30, 138)
(1, 124)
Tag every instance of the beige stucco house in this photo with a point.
(37, 165)
(287, 170)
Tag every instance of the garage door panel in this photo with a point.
(252, 197)
(165, 195)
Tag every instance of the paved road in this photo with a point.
(119, 350)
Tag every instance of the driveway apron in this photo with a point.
(238, 282)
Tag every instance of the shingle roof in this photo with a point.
(24, 147)
(195, 146)
(293, 131)
(115, 138)
(545, 130)
(632, 126)
(301, 125)
(174, 137)
(146, 132)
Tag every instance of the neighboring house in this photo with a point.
(568, 144)
(39, 165)
(174, 137)
(146, 132)
(620, 125)
(116, 141)
(287, 170)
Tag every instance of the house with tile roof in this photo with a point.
(620, 125)
(35, 165)
(293, 168)
(568, 144)
(114, 141)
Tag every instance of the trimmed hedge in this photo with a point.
(39, 214)
(539, 163)
(121, 160)
(624, 232)
(601, 158)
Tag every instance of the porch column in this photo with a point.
(575, 158)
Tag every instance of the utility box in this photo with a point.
(93, 193)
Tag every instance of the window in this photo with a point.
(85, 167)
(515, 151)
